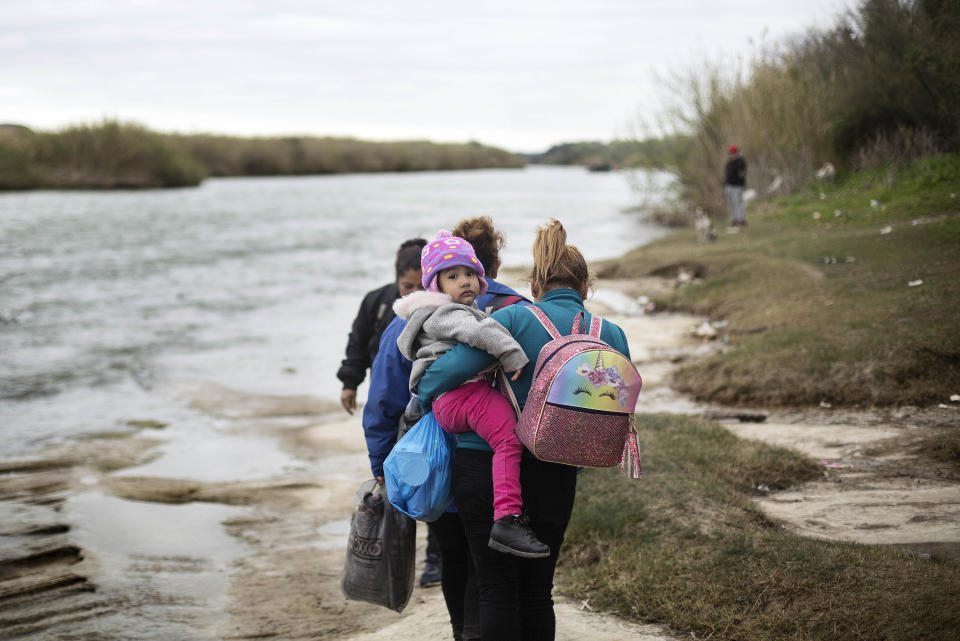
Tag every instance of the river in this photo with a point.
(110, 302)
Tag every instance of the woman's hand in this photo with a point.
(516, 375)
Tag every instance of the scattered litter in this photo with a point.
(837, 212)
(953, 195)
(886, 230)
(763, 488)
(915, 222)
(646, 305)
(733, 230)
(830, 260)
(955, 398)
(915, 283)
(684, 276)
(874, 203)
(720, 324)
(816, 215)
(825, 404)
(823, 196)
(705, 330)
(831, 463)
(827, 172)
(851, 259)
(943, 406)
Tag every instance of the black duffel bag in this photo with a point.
(381, 551)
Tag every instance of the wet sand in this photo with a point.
(239, 533)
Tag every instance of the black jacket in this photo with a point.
(376, 312)
(735, 172)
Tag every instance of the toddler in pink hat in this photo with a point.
(439, 318)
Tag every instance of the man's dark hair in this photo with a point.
(408, 256)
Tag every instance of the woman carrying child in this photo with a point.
(516, 599)
(437, 320)
(388, 398)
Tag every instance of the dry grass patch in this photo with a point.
(856, 308)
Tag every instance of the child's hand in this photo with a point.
(516, 375)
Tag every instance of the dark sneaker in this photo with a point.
(512, 535)
(431, 573)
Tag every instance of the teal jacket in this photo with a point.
(462, 362)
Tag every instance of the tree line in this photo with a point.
(114, 154)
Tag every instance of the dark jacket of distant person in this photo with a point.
(735, 172)
(376, 312)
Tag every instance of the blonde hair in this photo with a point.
(486, 241)
(557, 264)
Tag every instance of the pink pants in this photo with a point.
(479, 408)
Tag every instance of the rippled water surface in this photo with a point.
(110, 300)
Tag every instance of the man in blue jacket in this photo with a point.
(387, 399)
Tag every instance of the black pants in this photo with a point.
(458, 578)
(516, 595)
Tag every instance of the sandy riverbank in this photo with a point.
(152, 537)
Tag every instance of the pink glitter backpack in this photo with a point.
(580, 407)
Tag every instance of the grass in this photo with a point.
(109, 155)
(817, 296)
(685, 547)
(120, 155)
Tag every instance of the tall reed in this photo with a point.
(881, 87)
(112, 154)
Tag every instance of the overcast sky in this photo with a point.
(522, 74)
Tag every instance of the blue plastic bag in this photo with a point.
(419, 469)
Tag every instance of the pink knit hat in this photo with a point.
(448, 251)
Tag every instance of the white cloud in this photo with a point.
(522, 75)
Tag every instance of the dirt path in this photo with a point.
(239, 533)
(875, 488)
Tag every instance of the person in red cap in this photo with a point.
(734, 182)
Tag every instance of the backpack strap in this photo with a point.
(579, 319)
(501, 300)
(542, 317)
(596, 325)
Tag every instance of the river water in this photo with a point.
(109, 300)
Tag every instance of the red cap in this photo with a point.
(733, 149)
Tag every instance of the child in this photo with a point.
(439, 318)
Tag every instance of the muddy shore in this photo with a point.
(138, 537)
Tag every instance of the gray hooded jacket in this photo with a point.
(435, 324)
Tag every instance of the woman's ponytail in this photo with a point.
(555, 263)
